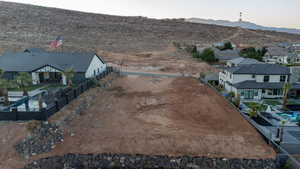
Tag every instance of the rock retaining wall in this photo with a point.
(113, 161)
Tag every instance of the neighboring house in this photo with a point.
(255, 81)
(48, 67)
(226, 55)
(242, 61)
(278, 55)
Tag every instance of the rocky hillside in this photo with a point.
(23, 26)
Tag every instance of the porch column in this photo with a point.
(35, 78)
(64, 79)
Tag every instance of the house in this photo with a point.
(241, 61)
(255, 81)
(277, 55)
(225, 55)
(48, 67)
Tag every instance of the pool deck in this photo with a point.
(291, 142)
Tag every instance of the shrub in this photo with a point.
(226, 46)
(237, 101)
(33, 125)
(298, 123)
(208, 55)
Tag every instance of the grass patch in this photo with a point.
(254, 104)
(272, 102)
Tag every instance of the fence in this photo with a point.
(62, 98)
(283, 156)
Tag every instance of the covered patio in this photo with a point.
(48, 74)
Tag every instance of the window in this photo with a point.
(263, 91)
(94, 72)
(253, 76)
(266, 78)
(282, 78)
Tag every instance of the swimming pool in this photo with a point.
(290, 116)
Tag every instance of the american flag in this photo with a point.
(57, 42)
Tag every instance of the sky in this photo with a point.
(275, 13)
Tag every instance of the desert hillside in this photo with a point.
(24, 26)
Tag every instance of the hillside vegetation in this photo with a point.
(23, 26)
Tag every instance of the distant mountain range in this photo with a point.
(243, 24)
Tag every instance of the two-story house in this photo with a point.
(278, 55)
(255, 81)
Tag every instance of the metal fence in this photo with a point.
(62, 98)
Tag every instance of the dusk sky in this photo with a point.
(276, 13)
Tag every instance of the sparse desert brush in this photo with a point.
(33, 125)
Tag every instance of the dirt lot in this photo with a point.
(169, 60)
(150, 116)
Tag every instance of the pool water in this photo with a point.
(291, 116)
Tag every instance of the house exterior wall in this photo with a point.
(96, 67)
(228, 79)
(295, 74)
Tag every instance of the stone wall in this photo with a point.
(90, 161)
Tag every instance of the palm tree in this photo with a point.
(4, 85)
(23, 80)
(1, 73)
(286, 88)
(69, 73)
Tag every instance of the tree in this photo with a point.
(253, 53)
(208, 55)
(1, 73)
(23, 80)
(254, 111)
(69, 73)
(286, 88)
(237, 101)
(4, 85)
(227, 45)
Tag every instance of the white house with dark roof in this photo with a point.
(255, 81)
(48, 67)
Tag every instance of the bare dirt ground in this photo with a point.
(169, 60)
(154, 116)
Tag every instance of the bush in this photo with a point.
(237, 101)
(208, 55)
(33, 125)
(253, 53)
(226, 46)
(298, 123)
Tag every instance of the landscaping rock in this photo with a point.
(124, 161)
(42, 140)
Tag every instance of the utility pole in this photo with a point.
(241, 17)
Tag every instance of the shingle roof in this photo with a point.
(251, 84)
(27, 62)
(260, 69)
(226, 54)
(278, 51)
(244, 61)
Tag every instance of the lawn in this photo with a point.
(254, 104)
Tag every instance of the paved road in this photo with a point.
(167, 75)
